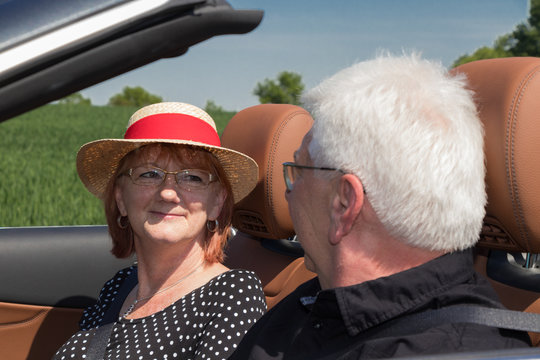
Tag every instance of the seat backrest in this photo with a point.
(269, 133)
(507, 93)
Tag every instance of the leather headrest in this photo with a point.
(507, 94)
(270, 134)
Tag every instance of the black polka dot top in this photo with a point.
(207, 323)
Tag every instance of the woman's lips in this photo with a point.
(166, 215)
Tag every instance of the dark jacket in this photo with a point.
(334, 323)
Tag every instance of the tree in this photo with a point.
(500, 49)
(523, 41)
(287, 89)
(219, 114)
(134, 96)
(75, 99)
(211, 107)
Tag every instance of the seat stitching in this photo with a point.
(41, 313)
(509, 158)
(275, 141)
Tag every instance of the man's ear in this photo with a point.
(346, 206)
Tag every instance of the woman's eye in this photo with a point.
(152, 174)
(191, 178)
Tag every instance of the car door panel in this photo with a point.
(34, 332)
(48, 275)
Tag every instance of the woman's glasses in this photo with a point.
(188, 179)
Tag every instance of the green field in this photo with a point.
(39, 182)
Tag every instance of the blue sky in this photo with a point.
(316, 39)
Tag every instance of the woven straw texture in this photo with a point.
(97, 161)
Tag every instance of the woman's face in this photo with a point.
(167, 213)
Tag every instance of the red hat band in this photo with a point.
(173, 127)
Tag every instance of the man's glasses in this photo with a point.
(290, 172)
(188, 179)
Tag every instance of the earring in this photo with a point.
(122, 225)
(212, 225)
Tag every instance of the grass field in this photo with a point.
(39, 182)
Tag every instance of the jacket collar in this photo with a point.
(371, 303)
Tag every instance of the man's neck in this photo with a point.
(377, 258)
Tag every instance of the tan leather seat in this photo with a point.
(270, 134)
(508, 98)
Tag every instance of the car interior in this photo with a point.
(506, 93)
(34, 328)
(41, 294)
(269, 133)
(263, 240)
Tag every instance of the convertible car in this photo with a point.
(41, 292)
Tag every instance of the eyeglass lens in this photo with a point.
(289, 175)
(188, 178)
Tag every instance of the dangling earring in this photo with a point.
(212, 225)
(122, 225)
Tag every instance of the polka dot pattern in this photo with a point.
(207, 323)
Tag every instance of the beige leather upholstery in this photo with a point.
(507, 94)
(286, 281)
(270, 134)
(30, 332)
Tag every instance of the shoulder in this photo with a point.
(236, 289)
(121, 275)
(236, 278)
(93, 315)
(305, 293)
(111, 287)
(277, 328)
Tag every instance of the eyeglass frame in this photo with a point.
(289, 182)
(129, 173)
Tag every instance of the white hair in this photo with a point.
(409, 130)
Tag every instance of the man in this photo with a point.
(387, 197)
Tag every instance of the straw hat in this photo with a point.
(168, 122)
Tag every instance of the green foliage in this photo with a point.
(286, 90)
(527, 40)
(523, 41)
(221, 116)
(75, 99)
(134, 96)
(40, 185)
(497, 51)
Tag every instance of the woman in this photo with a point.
(168, 189)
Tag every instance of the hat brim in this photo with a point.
(97, 163)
